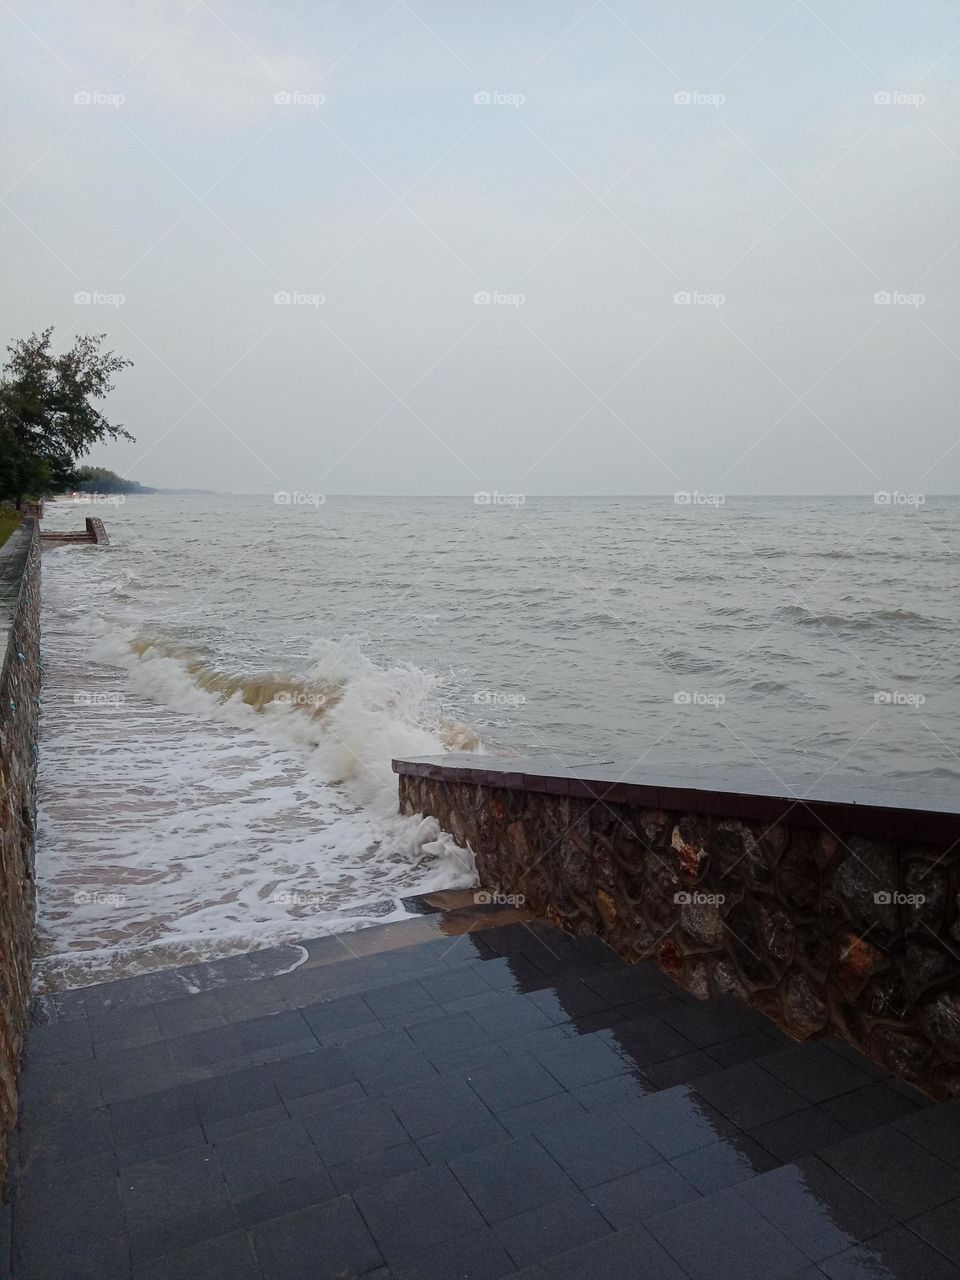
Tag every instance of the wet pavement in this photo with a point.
(466, 1095)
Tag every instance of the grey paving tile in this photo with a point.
(585, 1060)
(234, 1094)
(174, 1186)
(511, 1177)
(65, 1229)
(462, 1139)
(937, 1128)
(309, 1073)
(721, 1237)
(478, 1255)
(466, 1059)
(439, 1103)
(44, 1176)
(748, 1095)
(553, 1227)
(678, 1120)
(311, 1104)
(509, 1015)
(356, 1129)
(799, 1134)
(59, 1042)
(217, 1130)
(456, 984)
(615, 1093)
(190, 1013)
(403, 997)
(377, 1166)
(632, 1254)
(940, 1227)
(682, 1069)
(135, 1120)
(618, 983)
(649, 1039)
(283, 1198)
(169, 1235)
(267, 1155)
(274, 1029)
(724, 1163)
(897, 1172)
(567, 998)
(712, 1021)
(228, 1257)
(338, 1014)
(124, 1028)
(512, 1082)
(596, 1148)
(533, 1116)
(87, 1133)
(387, 1061)
(167, 1144)
(750, 1047)
(644, 1194)
(896, 1254)
(458, 1031)
(325, 1242)
(867, 1108)
(815, 1072)
(814, 1207)
(415, 1211)
(205, 1048)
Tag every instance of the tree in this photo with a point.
(48, 418)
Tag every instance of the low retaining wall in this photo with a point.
(94, 531)
(19, 708)
(834, 911)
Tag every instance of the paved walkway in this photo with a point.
(413, 1102)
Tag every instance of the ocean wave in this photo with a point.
(859, 622)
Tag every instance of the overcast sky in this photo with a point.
(580, 164)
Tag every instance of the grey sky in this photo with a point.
(782, 186)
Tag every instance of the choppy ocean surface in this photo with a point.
(225, 685)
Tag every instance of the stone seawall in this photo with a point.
(825, 914)
(19, 709)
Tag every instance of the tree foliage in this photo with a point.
(48, 411)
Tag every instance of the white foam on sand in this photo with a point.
(186, 812)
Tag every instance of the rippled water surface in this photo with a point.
(227, 682)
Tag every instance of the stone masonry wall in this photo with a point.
(19, 707)
(820, 931)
